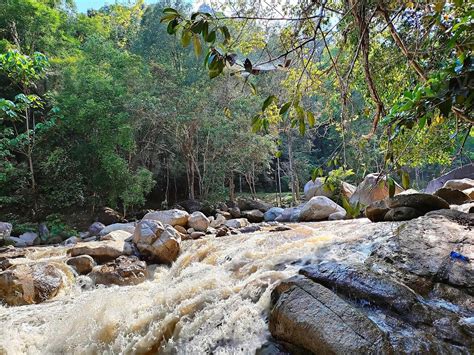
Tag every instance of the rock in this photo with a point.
(316, 188)
(102, 251)
(95, 228)
(44, 232)
(402, 214)
(32, 283)
(272, 214)
(218, 221)
(376, 210)
(197, 235)
(125, 270)
(9, 254)
(191, 205)
(159, 243)
(466, 219)
(109, 216)
(222, 232)
(347, 190)
(291, 214)
(83, 264)
(372, 188)
(190, 230)
(224, 214)
(280, 228)
(421, 202)
(451, 196)
(247, 204)
(250, 229)
(5, 230)
(237, 223)
(181, 229)
(309, 315)
(466, 171)
(470, 193)
(17, 242)
(127, 227)
(319, 208)
(173, 217)
(198, 221)
(409, 192)
(71, 241)
(234, 212)
(119, 235)
(336, 216)
(253, 216)
(459, 184)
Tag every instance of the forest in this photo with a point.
(138, 105)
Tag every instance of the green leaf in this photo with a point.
(226, 34)
(211, 37)
(311, 120)
(186, 38)
(405, 180)
(268, 101)
(172, 27)
(391, 186)
(302, 127)
(170, 10)
(284, 109)
(253, 88)
(197, 45)
(422, 122)
(197, 27)
(278, 154)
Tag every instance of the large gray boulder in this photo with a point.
(173, 217)
(95, 228)
(373, 188)
(159, 243)
(198, 221)
(5, 230)
(319, 208)
(128, 227)
(237, 223)
(316, 188)
(467, 171)
(30, 238)
(272, 214)
(290, 214)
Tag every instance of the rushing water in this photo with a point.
(214, 298)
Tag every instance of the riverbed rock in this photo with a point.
(30, 238)
(452, 196)
(119, 235)
(347, 190)
(376, 210)
(102, 251)
(247, 204)
(95, 228)
(272, 214)
(319, 208)
(127, 227)
(17, 242)
(32, 283)
(237, 223)
(198, 221)
(235, 212)
(421, 202)
(83, 264)
(291, 214)
(459, 184)
(253, 216)
(470, 193)
(373, 188)
(316, 188)
(218, 221)
(197, 235)
(337, 216)
(172, 217)
(109, 216)
(5, 230)
(311, 316)
(157, 242)
(402, 214)
(125, 270)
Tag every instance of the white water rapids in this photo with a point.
(214, 298)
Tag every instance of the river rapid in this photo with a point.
(214, 299)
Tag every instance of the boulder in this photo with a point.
(247, 204)
(466, 207)
(218, 221)
(197, 235)
(17, 242)
(109, 216)
(71, 241)
(181, 229)
(9, 254)
(127, 227)
(5, 230)
(336, 216)
(373, 188)
(470, 193)
(451, 196)
(291, 214)
(272, 214)
(309, 315)
(119, 235)
(32, 283)
(30, 238)
(125, 270)
(191, 205)
(376, 210)
(83, 264)
(347, 190)
(234, 212)
(319, 208)
(253, 216)
(198, 221)
(95, 228)
(459, 184)
(420, 201)
(402, 214)
(466, 171)
(102, 251)
(173, 217)
(159, 243)
(237, 223)
(316, 188)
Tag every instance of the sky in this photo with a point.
(84, 5)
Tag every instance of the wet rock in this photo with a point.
(5, 230)
(466, 207)
(7, 254)
(17, 242)
(102, 251)
(250, 229)
(83, 264)
(319, 208)
(451, 196)
(127, 227)
(373, 188)
(32, 283)
(235, 212)
(281, 228)
(422, 202)
(198, 221)
(291, 214)
(95, 228)
(459, 184)
(159, 243)
(197, 235)
(402, 214)
(311, 316)
(247, 204)
(125, 270)
(272, 214)
(222, 232)
(172, 217)
(237, 223)
(376, 211)
(253, 216)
